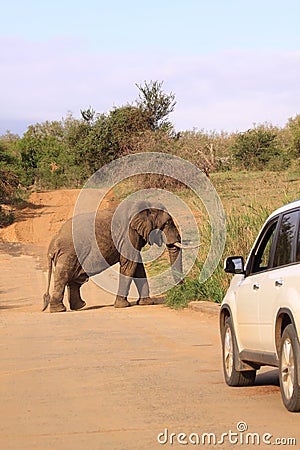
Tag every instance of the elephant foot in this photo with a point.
(145, 301)
(75, 306)
(57, 307)
(121, 302)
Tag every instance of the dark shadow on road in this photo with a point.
(90, 308)
(157, 301)
(270, 378)
(25, 210)
(10, 306)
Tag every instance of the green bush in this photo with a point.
(191, 289)
(259, 149)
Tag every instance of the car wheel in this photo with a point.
(232, 376)
(288, 369)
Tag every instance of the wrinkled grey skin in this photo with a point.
(138, 226)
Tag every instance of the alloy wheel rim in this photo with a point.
(287, 369)
(228, 352)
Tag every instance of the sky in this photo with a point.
(231, 64)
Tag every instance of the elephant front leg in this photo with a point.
(141, 282)
(74, 296)
(127, 270)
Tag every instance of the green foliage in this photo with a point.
(79, 151)
(9, 182)
(6, 158)
(42, 154)
(123, 125)
(8, 185)
(191, 290)
(156, 105)
(180, 295)
(6, 218)
(95, 143)
(258, 149)
(66, 153)
(293, 126)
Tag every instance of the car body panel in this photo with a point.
(257, 300)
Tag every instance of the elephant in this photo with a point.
(120, 238)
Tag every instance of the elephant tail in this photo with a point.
(46, 296)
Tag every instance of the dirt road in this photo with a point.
(103, 378)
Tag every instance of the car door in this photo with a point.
(248, 292)
(278, 280)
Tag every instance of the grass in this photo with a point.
(248, 198)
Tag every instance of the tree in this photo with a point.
(97, 139)
(41, 149)
(123, 125)
(155, 104)
(258, 149)
(6, 157)
(293, 126)
(9, 181)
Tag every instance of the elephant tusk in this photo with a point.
(186, 246)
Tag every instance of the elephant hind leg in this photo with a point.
(60, 281)
(74, 296)
(56, 304)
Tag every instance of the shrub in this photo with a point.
(259, 149)
(6, 218)
(191, 289)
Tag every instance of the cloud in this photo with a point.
(228, 90)
(233, 90)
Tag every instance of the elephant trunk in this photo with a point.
(175, 255)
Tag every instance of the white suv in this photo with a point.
(260, 314)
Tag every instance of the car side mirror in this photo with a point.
(234, 264)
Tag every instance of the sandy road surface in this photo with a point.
(115, 379)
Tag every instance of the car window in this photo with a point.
(298, 245)
(284, 251)
(261, 259)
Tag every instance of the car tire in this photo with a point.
(232, 376)
(289, 359)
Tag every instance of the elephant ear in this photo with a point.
(142, 223)
(160, 217)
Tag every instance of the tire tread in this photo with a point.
(237, 378)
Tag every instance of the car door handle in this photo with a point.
(256, 286)
(279, 283)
